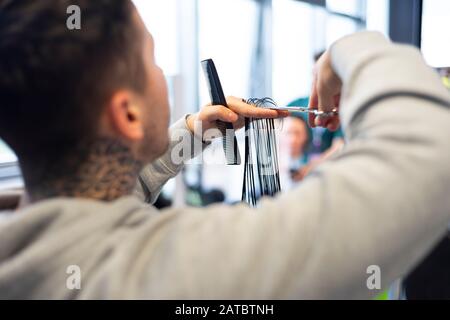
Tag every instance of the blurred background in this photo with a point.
(262, 48)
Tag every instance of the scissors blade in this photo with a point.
(293, 109)
(334, 112)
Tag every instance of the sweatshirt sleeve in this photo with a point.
(183, 146)
(381, 204)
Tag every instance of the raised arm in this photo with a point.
(382, 202)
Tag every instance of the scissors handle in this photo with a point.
(331, 113)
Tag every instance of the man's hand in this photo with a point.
(236, 113)
(326, 93)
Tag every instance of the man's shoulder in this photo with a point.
(70, 217)
(92, 236)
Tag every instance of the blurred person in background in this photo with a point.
(295, 141)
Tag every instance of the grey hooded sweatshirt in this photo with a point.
(381, 205)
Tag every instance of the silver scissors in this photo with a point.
(317, 113)
(268, 103)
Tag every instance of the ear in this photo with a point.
(126, 115)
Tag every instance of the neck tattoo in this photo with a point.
(108, 172)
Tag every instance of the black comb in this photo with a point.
(229, 141)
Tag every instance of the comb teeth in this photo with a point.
(229, 142)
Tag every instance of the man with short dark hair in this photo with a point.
(86, 110)
(78, 103)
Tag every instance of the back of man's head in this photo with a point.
(55, 82)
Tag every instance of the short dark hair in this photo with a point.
(54, 81)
